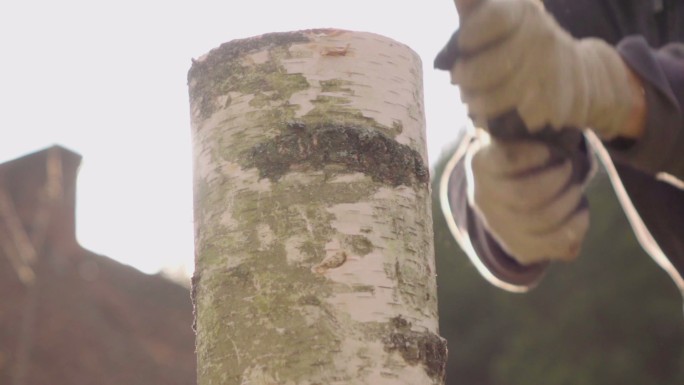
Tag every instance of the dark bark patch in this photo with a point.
(337, 85)
(310, 300)
(358, 149)
(400, 323)
(364, 288)
(425, 348)
(360, 245)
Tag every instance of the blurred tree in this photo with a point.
(610, 317)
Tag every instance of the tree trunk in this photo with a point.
(314, 249)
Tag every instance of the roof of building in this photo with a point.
(68, 315)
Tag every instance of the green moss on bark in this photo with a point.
(249, 323)
(222, 71)
(268, 294)
(337, 85)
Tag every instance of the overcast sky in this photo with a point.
(108, 80)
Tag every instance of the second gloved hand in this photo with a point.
(531, 200)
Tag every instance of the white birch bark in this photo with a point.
(314, 253)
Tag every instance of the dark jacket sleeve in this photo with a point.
(662, 73)
(648, 35)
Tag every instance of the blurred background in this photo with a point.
(108, 81)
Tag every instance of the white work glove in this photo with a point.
(531, 201)
(514, 55)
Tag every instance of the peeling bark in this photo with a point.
(314, 255)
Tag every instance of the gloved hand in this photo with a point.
(531, 201)
(514, 55)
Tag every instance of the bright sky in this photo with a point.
(108, 80)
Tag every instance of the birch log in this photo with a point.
(314, 253)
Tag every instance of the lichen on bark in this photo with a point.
(418, 348)
(358, 149)
(221, 71)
